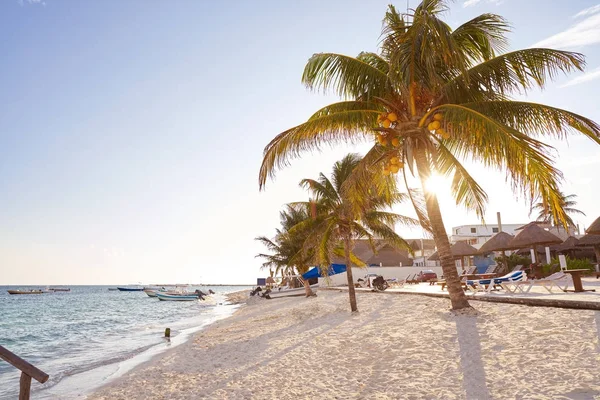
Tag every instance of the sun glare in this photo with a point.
(436, 184)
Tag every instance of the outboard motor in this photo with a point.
(210, 291)
(200, 294)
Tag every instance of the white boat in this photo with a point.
(285, 292)
(176, 297)
(150, 292)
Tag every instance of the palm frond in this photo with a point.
(482, 37)
(347, 126)
(347, 77)
(513, 72)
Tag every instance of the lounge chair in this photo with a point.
(486, 285)
(463, 278)
(558, 279)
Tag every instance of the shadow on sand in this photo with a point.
(471, 363)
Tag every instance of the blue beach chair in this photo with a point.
(486, 285)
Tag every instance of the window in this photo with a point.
(457, 231)
(473, 230)
(472, 241)
(494, 230)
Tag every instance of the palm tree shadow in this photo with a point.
(471, 363)
(597, 318)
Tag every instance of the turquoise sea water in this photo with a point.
(71, 334)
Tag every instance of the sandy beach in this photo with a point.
(396, 347)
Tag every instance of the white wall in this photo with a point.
(387, 272)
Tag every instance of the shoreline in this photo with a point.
(78, 385)
(395, 347)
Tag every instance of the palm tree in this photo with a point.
(343, 217)
(434, 96)
(568, 203)
(288, 255)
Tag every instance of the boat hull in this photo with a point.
(275, 294)
(25, 292)
(126, 289)
(174, 297)
(150, 292)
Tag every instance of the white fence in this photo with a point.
(386, 272)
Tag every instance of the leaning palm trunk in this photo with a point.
(351, 291)
(457, 295)
(307, 288)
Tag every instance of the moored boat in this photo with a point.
(150, 292)
(31, 291)
(130, 289)
(176, 297)
(300, 291)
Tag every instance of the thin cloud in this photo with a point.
(23, 2)
(586, 77)
(588, 11)
(584, 33)
(471, 3)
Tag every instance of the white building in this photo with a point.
(477, 235)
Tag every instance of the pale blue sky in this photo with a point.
(131, 132)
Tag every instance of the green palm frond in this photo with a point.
(537, 119)
(347, 77)
(465, 190)
(482, 37)
(513, 72)
(347, 126)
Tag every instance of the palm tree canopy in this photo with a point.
(446, 94)
(340, 214)
(567, 202)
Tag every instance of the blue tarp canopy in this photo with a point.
(316, 271)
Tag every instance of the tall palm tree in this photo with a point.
(434, 96)
(288, 255)
(343, 216)
(568, 204)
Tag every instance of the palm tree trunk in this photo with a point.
(457, 295)
(351, 291)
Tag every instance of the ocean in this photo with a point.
(87, 336)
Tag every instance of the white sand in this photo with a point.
(397, 347)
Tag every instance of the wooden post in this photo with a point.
(25, 387)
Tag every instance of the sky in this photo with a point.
(131, 132)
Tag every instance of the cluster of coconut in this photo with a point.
(386, 120)
(393, 166)
(436, 126)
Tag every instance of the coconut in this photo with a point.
(434, 125)
(386, 123)
(392, 117)
(438, 116)
(395, 142)
(394, 168)
(394, 160)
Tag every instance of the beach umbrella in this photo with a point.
(533, 235)
(458, 250)
(568, 245)
(590, 240)
(594, 228)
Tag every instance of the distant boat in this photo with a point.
(176, 297)
(57, 289)
(113, 289)
(31, 291)
(130, 289)
(150, 292)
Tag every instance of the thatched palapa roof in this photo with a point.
(594, 228)
(458, 249)
(532, 235)
(499, 242)
(569, 244)
(589, 241)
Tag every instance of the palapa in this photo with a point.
(458, 250)
(567, 245)
(594, 228)
(499, 242)
(532, 235)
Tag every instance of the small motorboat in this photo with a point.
(31, 291)
(130, 289)
(57, 289)
(150, 292)
(170, 296)
(285, 292)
